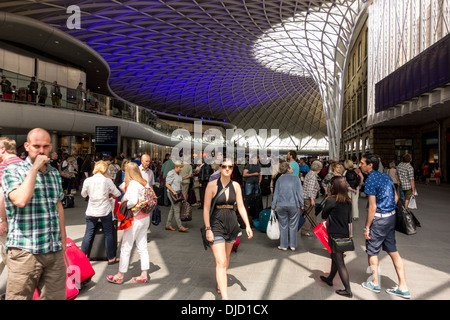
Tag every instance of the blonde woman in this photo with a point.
(135, 192)
(99, 188)
(173, 185)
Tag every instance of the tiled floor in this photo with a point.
(182, 270)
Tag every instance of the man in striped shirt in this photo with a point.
(36, 228)
(7, 157)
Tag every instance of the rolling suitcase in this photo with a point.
(159, 191)
(318, 207)
(320, 230)
(68, 202)
(97, 248)
(254, 205)
(79, 270)
(262, 221)
(185, 211)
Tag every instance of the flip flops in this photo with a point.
(138, 279)
(111, 278)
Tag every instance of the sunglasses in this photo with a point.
(226, 167)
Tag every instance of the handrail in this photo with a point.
(89, 102)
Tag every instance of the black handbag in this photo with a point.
(406, 222)
(341, 245)
(177, 197)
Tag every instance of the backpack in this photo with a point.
(352, 178)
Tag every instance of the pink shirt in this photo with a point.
(7, 162)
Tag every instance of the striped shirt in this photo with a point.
(34, 228)
(7, 162)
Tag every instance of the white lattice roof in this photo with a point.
(256, 64)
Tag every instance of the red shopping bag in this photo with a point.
(321, 232)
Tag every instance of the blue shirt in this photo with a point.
(304, 168)
(295, 167)
(379, 184)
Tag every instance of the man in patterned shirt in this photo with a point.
(7, 156)
(379, 230)
(405, 173)
(36, 229)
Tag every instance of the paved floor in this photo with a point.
(182, 270)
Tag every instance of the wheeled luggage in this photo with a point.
(78, 264)
(254, 205)
(156, 216)
(318, 208)
(159, 191)
(262, 221)
(68, 201)
(79, 270)
(185, 211)
(97, 247)
(320, 230)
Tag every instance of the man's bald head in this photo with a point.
(38, 131)
(145, 161)
(38, 143)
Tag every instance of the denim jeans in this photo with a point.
(288, 218)
(91, 223)
(251, 188)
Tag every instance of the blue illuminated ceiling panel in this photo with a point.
(244, 61)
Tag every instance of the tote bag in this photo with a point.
(273, 227)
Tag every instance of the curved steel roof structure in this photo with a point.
(259, 64)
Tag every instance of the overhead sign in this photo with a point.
(106, 135)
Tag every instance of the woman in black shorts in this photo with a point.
(222, 227)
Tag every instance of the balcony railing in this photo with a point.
(17, 88)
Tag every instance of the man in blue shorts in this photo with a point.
(379, 230)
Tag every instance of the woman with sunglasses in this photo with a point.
(222, 227)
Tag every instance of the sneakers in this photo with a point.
(371, 286)
(399, 292)
(394, 291)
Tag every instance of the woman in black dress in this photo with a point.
(222, 227)
(338, 213)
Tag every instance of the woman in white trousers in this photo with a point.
(136, 194)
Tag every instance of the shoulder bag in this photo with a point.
(341, 245)
(179, 196)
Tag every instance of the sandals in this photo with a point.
(112, 278)
(116, 260)
(139, 279)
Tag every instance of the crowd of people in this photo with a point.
(31, 182)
